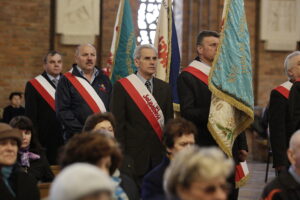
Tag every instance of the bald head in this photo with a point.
(85, 57)
(295, 141)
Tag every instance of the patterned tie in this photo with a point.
(55, 81)
(148, 85)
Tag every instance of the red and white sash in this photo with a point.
(199, 70)
(45, 89)
(284, 89)
(241, 174)
(87, 92)
(145, 102)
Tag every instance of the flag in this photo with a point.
(120, 62)
(230, 79)
(168, 50)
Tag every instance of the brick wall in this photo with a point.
(25, 38)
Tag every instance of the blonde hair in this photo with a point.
(192, 164)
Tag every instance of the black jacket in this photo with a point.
(278, 126)
(10, 112)
(72, 110)
(24, 186)
(44, 120)
(134, 132)
(283, 187)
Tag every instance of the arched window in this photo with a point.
(147, 19)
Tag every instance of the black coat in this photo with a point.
(278, 126)
(44, 120)
(294, 108)
(40, 169)
(10, 112)
(152, 188)
(283, 187)
(136, 135)
(72, 110)
(24, 186)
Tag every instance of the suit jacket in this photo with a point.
(44, 120)
(134, 132)
(152, 188)
(195, 98)
(278, 122)
(294, 108)
(71, 108)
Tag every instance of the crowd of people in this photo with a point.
(122, 142)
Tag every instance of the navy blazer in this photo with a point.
(152, 188)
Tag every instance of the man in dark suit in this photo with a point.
(40, 105)
(142, 104)
(82, 91)
(280, 123)
(178, 134)
(195, 96)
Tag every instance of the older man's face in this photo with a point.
(294, 70)
(86, 58)
(8, 152)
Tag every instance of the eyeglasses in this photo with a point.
(211, 189)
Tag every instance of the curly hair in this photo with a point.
(90, 148)
(96, 118)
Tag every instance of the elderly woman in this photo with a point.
(14, 183)
(198, 174)
(82, 181)
(31, 155)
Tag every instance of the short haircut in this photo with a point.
(195, 164)
(287, 63)
(50, 53)
(81, 45)
(206, 33)
(176, 128)
(15, 94)
(96, 118)
(138, 50)
(90, 148)
(24, 123)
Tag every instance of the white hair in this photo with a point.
(194, 164)
(77, 51)
(138, 50)
(287, 63)
(295, 141)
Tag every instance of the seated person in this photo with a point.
(100, 150)
(106, 122)
(178, 134)
(198, 174)
(14, 183)
(287, 184)
(15, 108)
(82, 181)
(31, 156)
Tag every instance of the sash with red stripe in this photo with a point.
(284, 89)
(87, 92)
(145, 102)
(45, 89)
(199, 70)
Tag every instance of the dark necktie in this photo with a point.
(148, 85)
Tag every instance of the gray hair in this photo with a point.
(287, 63)
(138, 50)
(192, 164)
(51, 53)
(81, 45)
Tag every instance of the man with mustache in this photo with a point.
(82, 91)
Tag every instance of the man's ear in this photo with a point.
(291, 156)
(137, 62)
(199, 49)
